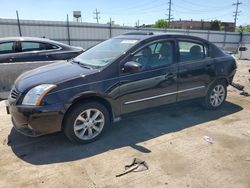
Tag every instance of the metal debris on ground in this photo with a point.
(237, 86)
(246, 94)
(137, 165)
(208, 139)
(240, 88)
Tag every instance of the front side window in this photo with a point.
(155, 55)
(7, 47)
(105, 52)
(190, 51)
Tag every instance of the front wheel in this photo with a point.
(86, 122)
(216, 95)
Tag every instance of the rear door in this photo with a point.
(31, 51)
(196, 69)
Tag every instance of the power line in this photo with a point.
(236, 13)
(204, 5)
(196, 10)
(96, 13)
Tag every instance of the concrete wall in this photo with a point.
(89, 34)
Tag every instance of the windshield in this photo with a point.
(105, 52)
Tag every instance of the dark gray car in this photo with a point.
(19, 54)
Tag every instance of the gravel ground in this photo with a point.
(170, 139)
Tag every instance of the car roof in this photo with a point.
(149, 35)
(34, 39)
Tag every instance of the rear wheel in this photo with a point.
(216, 95)
(86, 122)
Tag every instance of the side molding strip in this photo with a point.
(163, 95)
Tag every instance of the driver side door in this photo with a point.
(155, 84)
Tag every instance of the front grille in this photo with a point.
(14, 93)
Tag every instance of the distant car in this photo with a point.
(26, 49)
(124, 74)
(19, 54)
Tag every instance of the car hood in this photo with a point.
(51, 74)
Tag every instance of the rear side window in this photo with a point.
(32, 46)
(7, 47)
(190, 51)
(37, 46)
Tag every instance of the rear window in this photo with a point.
(6, 47)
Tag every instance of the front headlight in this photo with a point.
(36, 94)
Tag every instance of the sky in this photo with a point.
(126, 12)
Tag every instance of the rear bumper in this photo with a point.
(36, 121)
(231, 76)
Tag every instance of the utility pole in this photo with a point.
(169, 12)
(68, 29)
(18, 23)
(236, 13)
(96, 13)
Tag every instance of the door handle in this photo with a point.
(208, 66)
(170, 76)
(11, 59)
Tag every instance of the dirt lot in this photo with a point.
(169, 139)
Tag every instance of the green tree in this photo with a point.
(161, 24)
(215, 25)
(243, 28)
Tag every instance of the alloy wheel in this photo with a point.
(89, 124)
(217, 95)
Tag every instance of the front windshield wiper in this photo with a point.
(82, 65)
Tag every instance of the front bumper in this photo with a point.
(36, 121)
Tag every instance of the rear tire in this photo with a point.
(216, 95)
(86, 122)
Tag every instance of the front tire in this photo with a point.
(85, 123)
(216, 95)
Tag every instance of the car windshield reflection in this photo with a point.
(105, 52)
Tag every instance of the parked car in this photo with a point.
(19, 54)
(124, 74)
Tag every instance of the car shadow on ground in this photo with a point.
(130, 131)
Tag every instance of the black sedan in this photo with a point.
(21, 54)
(124, 74)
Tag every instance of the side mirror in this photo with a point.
(242, 48)
(132, 66)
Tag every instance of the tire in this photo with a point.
(85, 122)
(216, 95)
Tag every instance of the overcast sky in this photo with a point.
(125, 12)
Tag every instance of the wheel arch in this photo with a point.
(218, 79)
(87, 97)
